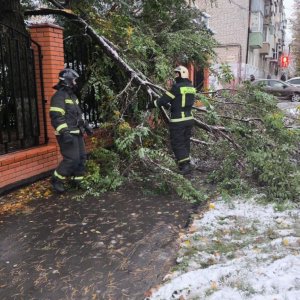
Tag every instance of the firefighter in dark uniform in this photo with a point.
(180, 98)
(66, 118)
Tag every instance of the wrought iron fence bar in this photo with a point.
(94, 117)
(67, 61)
(72, 56)
(81, 60)
(36, 97)
(31, 127)
(21, 95)
(3, 121)
(19, 109)
(12, 90)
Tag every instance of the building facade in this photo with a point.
(250, 33)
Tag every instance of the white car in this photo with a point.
(294, 81)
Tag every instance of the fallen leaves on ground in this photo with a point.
(18, 201)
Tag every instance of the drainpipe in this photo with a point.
(248, 34)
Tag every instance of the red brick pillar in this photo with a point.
(50, 38)
(206, 79)
(191, 69)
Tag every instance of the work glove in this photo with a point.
(80, 123)
(67, 137)
(88, 129)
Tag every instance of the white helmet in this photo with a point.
(183, 71)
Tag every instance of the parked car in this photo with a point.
(294, 81)
(280, 89)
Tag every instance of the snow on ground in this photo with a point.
(291, 109)
(238, 249)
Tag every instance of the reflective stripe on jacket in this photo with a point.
(181, 98)
(65, 112)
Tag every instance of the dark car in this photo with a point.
(280, 89)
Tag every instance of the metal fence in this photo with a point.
(20, 112)
(78, 50)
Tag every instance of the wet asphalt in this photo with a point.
(115, 246)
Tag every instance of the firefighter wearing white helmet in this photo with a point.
(183, 71)
(180, 98)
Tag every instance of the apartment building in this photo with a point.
(250, 33)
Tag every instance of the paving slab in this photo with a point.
(115, 246)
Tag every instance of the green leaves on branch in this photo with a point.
(103, 172)
(267, 156)
(274, 171)
(106, 167)
(131, 140)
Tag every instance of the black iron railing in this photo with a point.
(78, 51)
(20, 113)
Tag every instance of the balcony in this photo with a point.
(256, 40)
(265, 49)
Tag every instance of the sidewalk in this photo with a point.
(115, 246)
(239, 249)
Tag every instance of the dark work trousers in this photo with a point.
(74, 157)
(180, 134)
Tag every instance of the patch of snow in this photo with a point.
(238, 250)
(41, 20)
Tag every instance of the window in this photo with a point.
(277, 84)
(256, 22)
(295, 81)
(261, 83)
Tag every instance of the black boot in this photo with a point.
(57, 185)
(76, 183)
(185, 169)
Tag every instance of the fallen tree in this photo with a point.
(241, 132)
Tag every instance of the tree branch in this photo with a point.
(100, 40)
(242, 120)
(210, 128)
(125, 89)
(227, 137)
(106, 47)
(202, 109)
(196, 141)
(56, 4)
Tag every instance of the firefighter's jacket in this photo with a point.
(65, 112)
(181, 97)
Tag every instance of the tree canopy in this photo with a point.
(136, 44)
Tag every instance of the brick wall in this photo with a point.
(19, 166)
(229, 21)
(25, 164)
